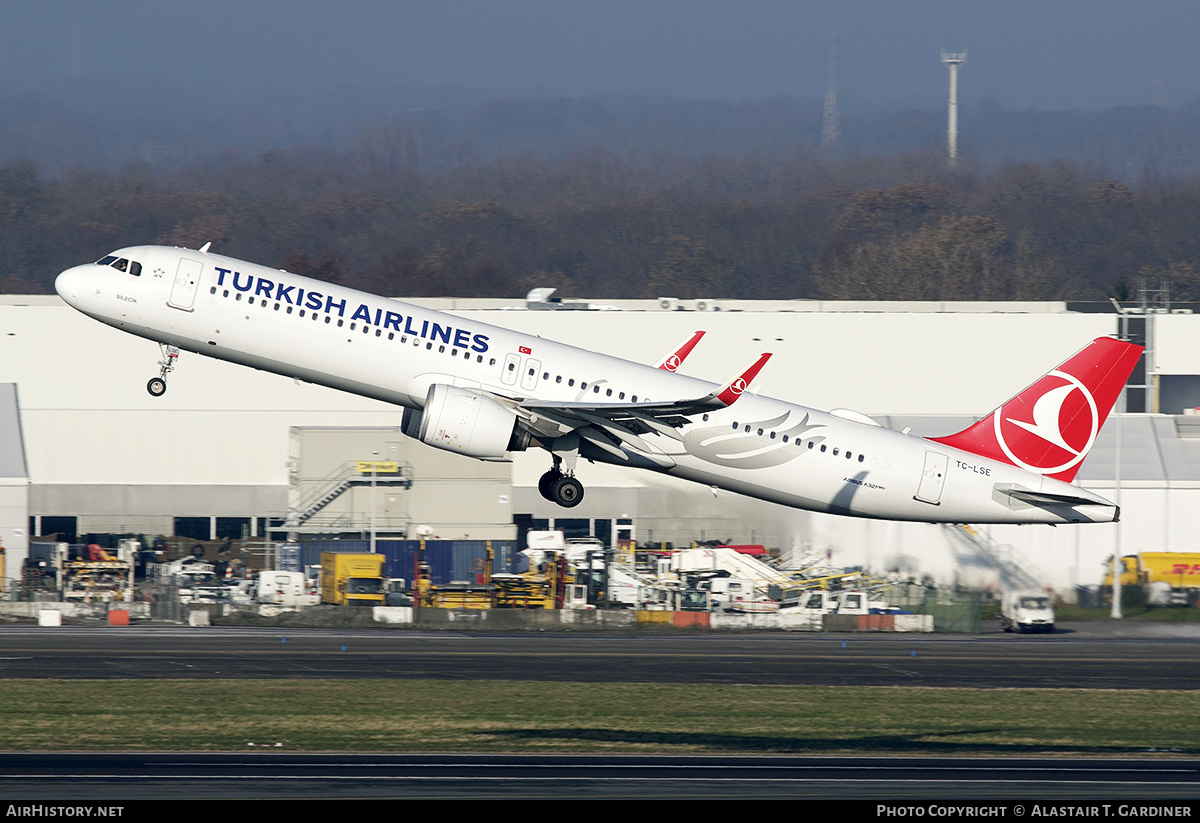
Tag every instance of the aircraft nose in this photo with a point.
(68, 283)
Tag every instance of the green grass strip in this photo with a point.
(532, 717)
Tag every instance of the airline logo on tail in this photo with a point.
(1064, 417)
(1050, 427)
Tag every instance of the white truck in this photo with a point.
(1026, 611)
(734, 594)
(285, 589)
(821, 601)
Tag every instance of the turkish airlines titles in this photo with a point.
(317, 301)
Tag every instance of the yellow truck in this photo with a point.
(351, 579)
(1178, 570)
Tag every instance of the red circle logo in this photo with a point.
(1053, 432)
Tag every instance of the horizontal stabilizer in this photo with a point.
(1039, 498)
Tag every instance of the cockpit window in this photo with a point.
(121, 264)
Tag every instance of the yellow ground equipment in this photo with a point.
(351, 579)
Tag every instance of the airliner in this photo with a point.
(484, 392)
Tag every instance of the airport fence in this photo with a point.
(952, 610)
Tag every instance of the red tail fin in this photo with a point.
(1050, 426)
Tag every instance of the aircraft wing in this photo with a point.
(608, 425)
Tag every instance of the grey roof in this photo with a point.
(12, 446)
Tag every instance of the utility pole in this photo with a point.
(374, 470)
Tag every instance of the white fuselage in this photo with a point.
(394, 351)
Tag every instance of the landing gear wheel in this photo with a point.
(546, 483)
(567, 492)
(157, 386)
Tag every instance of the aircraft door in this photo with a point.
(509, 374)
(187, 279)
(529, 375)
(933, 478)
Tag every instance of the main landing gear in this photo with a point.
(560, 488)
(158, 385)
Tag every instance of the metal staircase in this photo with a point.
(972, 547)
(346, 476)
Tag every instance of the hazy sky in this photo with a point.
(1021, 53)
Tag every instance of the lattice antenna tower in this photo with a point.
(830, 133)
(952, 62)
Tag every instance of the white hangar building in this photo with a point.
(227, 447)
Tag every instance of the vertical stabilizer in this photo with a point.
(1050, 426)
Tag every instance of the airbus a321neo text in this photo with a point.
(484, 391)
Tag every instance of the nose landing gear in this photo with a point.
(157, 386)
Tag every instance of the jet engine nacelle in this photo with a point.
(464, 421)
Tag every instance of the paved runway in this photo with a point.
(1066, 660)
(1111, 656)
(113, 778)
